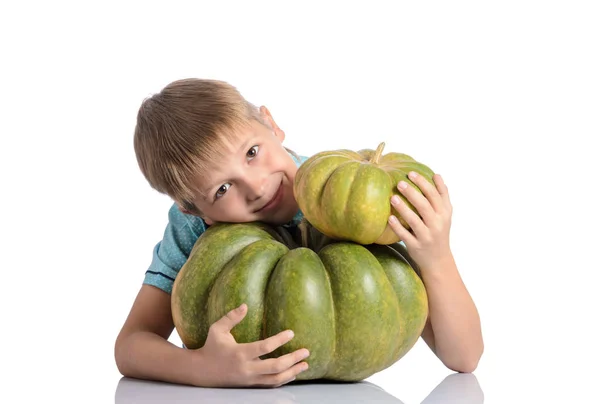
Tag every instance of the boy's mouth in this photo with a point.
(275, 199)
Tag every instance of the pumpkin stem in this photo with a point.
(377, 155)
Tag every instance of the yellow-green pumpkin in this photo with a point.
(357, 309)
(347, 195)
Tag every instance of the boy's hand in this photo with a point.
(230, 364)
(428, 241)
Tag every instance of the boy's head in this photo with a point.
(215, 154)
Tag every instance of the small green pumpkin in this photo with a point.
(347, 195)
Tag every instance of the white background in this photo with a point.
(501, 98)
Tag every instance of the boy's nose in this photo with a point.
(257, 186)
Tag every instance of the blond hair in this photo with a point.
(180, 131)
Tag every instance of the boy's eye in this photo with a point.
(222, 189)
(252, 152)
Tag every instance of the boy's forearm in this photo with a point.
(454, 318)
(144, 355)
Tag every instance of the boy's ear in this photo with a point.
(268, 118)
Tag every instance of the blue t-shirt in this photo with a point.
(179, 238)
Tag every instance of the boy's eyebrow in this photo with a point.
(243, 147)
(246, 143)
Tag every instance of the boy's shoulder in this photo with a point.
(178, 219)
(298, 159)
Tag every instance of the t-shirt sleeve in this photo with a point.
(173, 250)
(299, 161)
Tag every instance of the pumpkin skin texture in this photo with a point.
(357, 309)
(347, 195)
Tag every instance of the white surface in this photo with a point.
(502, 99)
(455, 388)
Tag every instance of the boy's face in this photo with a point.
(253, 182)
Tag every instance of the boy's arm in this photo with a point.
(453, 329)
(142, 349)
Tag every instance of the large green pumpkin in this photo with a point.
(347, 195)
(357, 309)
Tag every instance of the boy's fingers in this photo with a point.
(430, 191)
(409, 216)
(418, 199)
(282, 378)
(228, 321)
(268, 345)
(278, 365)
(405, 235)
(443, 190)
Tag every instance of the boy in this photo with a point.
(221, 159)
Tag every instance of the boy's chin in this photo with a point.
(280, 218)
